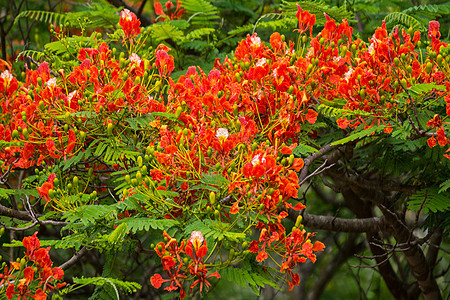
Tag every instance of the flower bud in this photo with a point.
(23, 263)
(298, 221)
(429, 67)
(178, 112)
(139, 177)
(212, 198)
(75, 182)
(109, 129)
(238, 77)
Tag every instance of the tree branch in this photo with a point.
(16, 214)
(374, 224)
(74, 259)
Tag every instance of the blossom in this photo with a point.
(348, 74)
(261, 62)
(32, 243)
(129, 23)
(257, 159)
(222, 134)
(51, 83)
(44, 191)
(6, 75)
(172, 15)
(195, 247)
(255, 40)
(305, 20)
(157, 281)
(164, 62)
(196, 239)
(135, 58)
(433, 30)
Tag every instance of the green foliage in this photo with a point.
(125, 286)
(97, 16)
(318, 8)
(201, 13)
(357, 135)
(417, 17)
(404, 21)
(429, 200)
(166, 31)
(137, 224)
(251, 275)
(276, 22)
(302, 149)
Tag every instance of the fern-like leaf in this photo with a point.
(127, 287)
(430, 200)
(358, 135)
(145, 224)
(201, 13)
(43, 16)
(401, 19)
(165, 31)
(35, 55)
(96, 17)
(318, 8)
(197, 33)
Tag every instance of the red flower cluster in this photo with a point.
(171, 15)
(175, 268)
(229, 133)
(33, 277)
(305, 20)
(130, 24)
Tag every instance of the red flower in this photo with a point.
(433, 30)
(416, 36)
(44, 189)
(293, 279)
(32, 243)
(342, 123)
(262, 256)
(169, 5)
(129, 23)
(305, 20)
(442, 140)
(311, 116)
(318, 246)
(298, 164)
(195, 248)
(436, 121)
(28, 274)
(157, 280)
(276, 42)
(164, 62)
(40, 295)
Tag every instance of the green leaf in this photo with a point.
(430, 200)
(444, 186)
(144, 224)
(204, 187)
(302, 149)
(128, 287)
(214, 179)
(165, 115)
(165, 31)
(358, 135)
